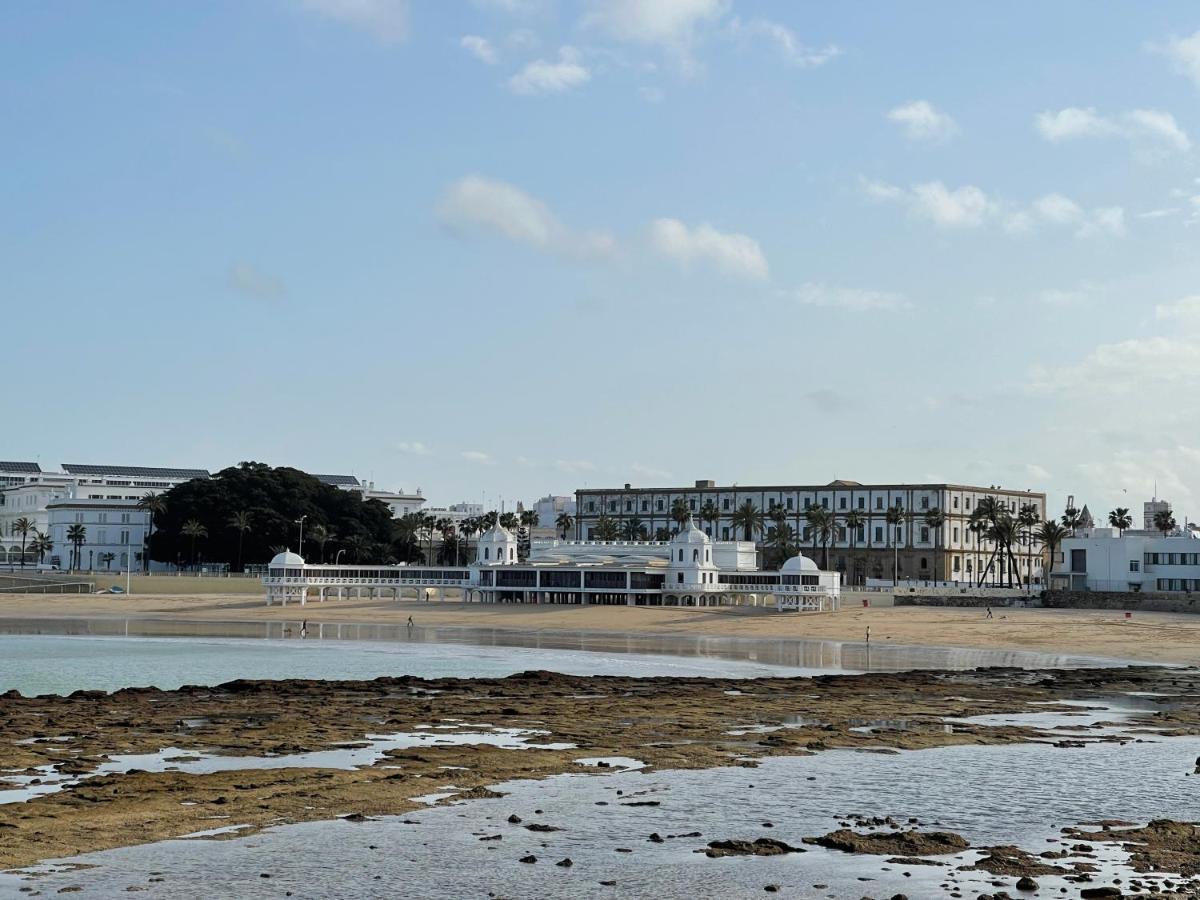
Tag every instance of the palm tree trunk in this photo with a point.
(241, 536)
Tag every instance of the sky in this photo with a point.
(506, 248)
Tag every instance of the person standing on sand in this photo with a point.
(410, 622)
(989, 611)
(304, 629)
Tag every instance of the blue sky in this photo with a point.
(511, 247)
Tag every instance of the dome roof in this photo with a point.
(690, 534)
(287, 558)
(800, 563)
(497, 534)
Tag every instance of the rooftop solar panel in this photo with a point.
(134, 472)
(28, 468)
(337, 479)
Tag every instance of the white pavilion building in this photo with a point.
(689, 570)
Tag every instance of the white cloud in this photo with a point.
(1149, 129)
(964, 207)
(850, 299)
(1105, 221)
(416, 448)
(1128, 367)
(731, 253)
(667, 23)
(387, 20)
(785, 42)
(1185, 311)
(254, 283)
(880, 190)
(1184, 54)
(574, 466)
(551, 77)
(480, 47)
(477, 456)
(1057, 209)
(921, 121)
(489, 205)
(1036, 472)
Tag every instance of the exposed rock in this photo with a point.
(1163, 845)
(902, 843)
(759, 847)
(1025, 883)
(528, 859)
(1014, 862)
(565, 863)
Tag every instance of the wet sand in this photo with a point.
(679, 723)
(1148, 637)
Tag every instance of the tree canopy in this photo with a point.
(273, 499)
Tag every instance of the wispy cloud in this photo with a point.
(551, 76)
(477, 456)
(1149, 129)
(480, 47)
(921, 121)
(729, 252)
(254, 283)
(1185, 311)
(476, 203)
(784, 40)
(386, 20)
(1184, 54)
(845, 298)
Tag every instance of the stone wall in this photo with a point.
(973, 601)
(1124, 600)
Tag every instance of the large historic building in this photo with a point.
(691, 569)
(917, 549)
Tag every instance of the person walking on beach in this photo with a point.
(410, 622)
(989, 611)
(304, 629)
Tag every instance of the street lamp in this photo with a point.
(300, 522)
(337, 558)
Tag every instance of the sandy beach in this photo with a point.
(1148, 637)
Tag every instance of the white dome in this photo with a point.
(800, 563)
(690, 534)
(287, 558)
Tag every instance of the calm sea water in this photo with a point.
(42, 656)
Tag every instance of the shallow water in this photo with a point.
(991, 795)
(40, 656)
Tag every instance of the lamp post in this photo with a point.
(300, 521)
(338, 556)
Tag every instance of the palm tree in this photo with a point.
(1028, 518)
(710, 515)
(607, 529)
(564, 523)
(894, 517)
(466, 528)
(1070, 518)
(854, 521)
(155, 505)
(41, 545)
(935, 519)
(819, 523)
(1164, 521)
(193, 529)
(662, 534)
(490, 519)
(240, 522)
(633, 530)
(1005, 532)
(1120, 519)
(784, 544)
(749, 518)
(508, 520)
(318, 534)
(22, 527)
(107, 559)
(680, 512)
(528, 519)
(1051, 535)
(77, 535)
(358, 544)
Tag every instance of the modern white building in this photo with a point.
(689, 570)
(550, 507)
(399, 502)
(1102, 559)
(27, 492)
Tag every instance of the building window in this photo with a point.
(879, 503)
(956, 534)
(842, 503)
(679, 578)
(692, 505)
(658, 505)
(954, 564)
(824, 503)
(628, 506)
(862, 502)
(789, 504)
(645, 506)
(955, 503)
(725, 504)
(1133, 565)
(724, 534)
(924, 535)
(612, 505)
(695, 556)
(878, 534)
(591, 506)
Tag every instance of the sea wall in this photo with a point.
(1124, 600)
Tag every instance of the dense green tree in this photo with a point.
(77, 536)
(273, 498)
(155, 505)
(680, 512)
(1051, 535)
(749, 518)
(1120, 519)
(607, 529)
(1164, 521)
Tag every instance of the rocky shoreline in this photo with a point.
(678, 723)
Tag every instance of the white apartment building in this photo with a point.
(1102, 559)
(113, 534)
(26, 491)
(399, 502)
(549, 508)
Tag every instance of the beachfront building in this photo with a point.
(690, 569)
(28, 492)
(1104, 559)
(109, 534)
(915, 547)
(400, 502)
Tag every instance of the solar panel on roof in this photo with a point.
(30, 468)
(336, 479)
(134, 471)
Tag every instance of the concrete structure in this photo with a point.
(1150, 509)
(1101, 559)
(27, 491)
(689, 570)
(550, 507)
(114, 533)
(399, 502)
(921, 552)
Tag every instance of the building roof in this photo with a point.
(134, 471)
(287, 558)
(27, 468)
(816, 488)
(690, 534)
(338, 480)
(495, 535)
(799, 563)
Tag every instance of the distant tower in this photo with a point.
(691, 562)
(1150, 508)
(496, 547)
